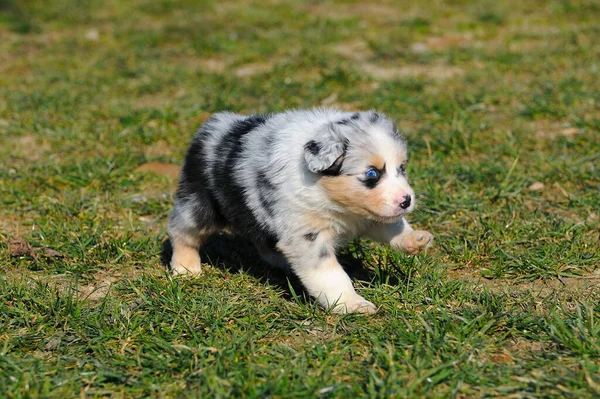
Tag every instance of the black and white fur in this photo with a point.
(299, 184)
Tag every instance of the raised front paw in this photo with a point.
(412, 242)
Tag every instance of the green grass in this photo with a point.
(492, 96)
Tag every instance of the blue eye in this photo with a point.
(372, 174)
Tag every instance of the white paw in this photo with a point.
(354, 304)
(413, 242)
(186, 264)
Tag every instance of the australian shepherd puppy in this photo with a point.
(298, 184)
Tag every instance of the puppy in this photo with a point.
(298, 184)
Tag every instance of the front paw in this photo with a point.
(412, 242)
(354, 304)
(187, 263)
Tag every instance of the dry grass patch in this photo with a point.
(211, 65)
(356, 49)
(376, 11)
(434, 72)
(567, 291)
(29, 147)
(255, 68)
(548, 129)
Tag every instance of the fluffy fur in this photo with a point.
(299, 184)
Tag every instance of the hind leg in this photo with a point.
(186, 238)
(186, 259)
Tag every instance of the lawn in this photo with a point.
(500, 103)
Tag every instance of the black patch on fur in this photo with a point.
(266, 193)
(193, 188)
(401, 170)
(355, 116)
(230, 196)
(343, 122)
(268, 143)
(324, 252)
(374, 117)
(311, 236)
(335, 168)
(313, 147)
(370, 183)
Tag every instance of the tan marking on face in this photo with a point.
(401, 159)
(377, 161)
(352, 194)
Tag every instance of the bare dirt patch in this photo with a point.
(15, 225)
(159, 168)
(370, 10)
(357, 50)
(28, 147)
(518, 38)
(158, 149)
(435, 72)
(100, 288)
(585, 285)
(438, 43)
(332, 101)
(252, 69)
(207, 65)
(545, 129)
(523, 347)
(211, 65)
(526, 45)
(441, 43)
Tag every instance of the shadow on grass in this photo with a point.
(233, 254)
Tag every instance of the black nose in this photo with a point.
(406, 203)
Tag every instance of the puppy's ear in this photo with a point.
(326, 152)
